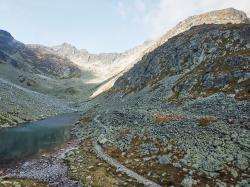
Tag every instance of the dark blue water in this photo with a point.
(30, 138)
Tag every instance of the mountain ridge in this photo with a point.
(228, 15)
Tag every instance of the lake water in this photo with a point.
(30, 138)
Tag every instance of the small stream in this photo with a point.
(34, 137)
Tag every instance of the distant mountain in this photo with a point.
(82, 56)
(34, 60)
(34, 82)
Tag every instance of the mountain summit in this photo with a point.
(224, 16)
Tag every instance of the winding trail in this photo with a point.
(121, 168)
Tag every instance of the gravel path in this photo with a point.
(100, 153)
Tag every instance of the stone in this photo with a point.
(147, 149)
(241, 162)
(6, 182)
(102, 139)
(164, 159)
(188, 182)
(220, 183)
(234, 173)
(16, 184)
(244, 183)
(89, 177)
(90, 167)
(177, 165)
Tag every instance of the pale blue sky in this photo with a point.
(100, 25)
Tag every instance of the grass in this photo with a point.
(13, 182)
(164, 175)
(86, 167)
(167, 118)
(206, 120)
(3, 121)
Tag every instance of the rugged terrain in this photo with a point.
(177, 114)
(180, 116)
(36, 83)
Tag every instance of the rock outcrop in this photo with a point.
(211, 57)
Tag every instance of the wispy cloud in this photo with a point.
(157, 16)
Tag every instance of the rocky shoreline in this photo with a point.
(47, 168)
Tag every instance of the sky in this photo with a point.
(100, 25)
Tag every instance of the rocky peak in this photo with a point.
(66, 45)
(224, 16)
(5, 37)
(65, 49)
(5, 34)
(8, 43)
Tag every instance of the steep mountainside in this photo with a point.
(104, 65)
(179, 116)
(34, 60)
(224, 16)
(213, 58)
(36, 83)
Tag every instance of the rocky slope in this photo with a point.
(104, 65)
(216, 60)
(19, 105)
(180, 116)
(224, 16)
(32, 80)
(40, 61)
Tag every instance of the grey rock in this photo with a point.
(188, 182)
(164, 159)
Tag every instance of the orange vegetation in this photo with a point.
(206, 120)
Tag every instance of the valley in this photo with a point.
(174, 111)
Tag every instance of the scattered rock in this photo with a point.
(188, 182)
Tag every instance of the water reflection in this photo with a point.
(30, 138)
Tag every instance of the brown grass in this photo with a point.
(206, 120)
(23, 182)
(135, 161)
(166, 118)
(87, 165)
(87, 118)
